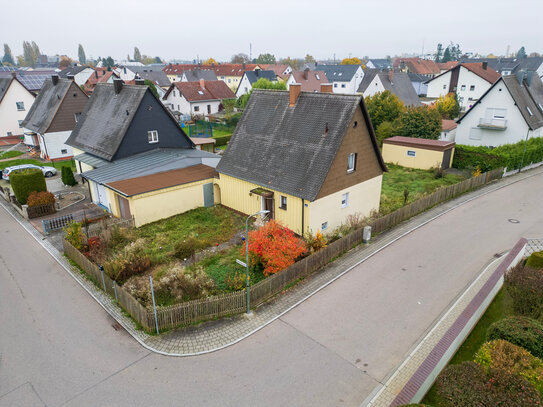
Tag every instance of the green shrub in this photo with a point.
(129, 262)
(521, 331)
(26, 181)
(525, 286)
(513, 359)
(535, 260)
(68, 176)
(222, 140)
(469, 157)
(187, 248)
(74, 235)
(470, 385)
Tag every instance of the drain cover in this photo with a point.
(514, 220)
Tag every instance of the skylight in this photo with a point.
(318, 77)
(529, 111)
(540, 107)
(200, 92)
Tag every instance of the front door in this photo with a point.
(446, 159)
(124, 207)
(101, 196)
(209, 199)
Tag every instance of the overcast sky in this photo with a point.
(219, 29)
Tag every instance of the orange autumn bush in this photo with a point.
(275, 247)
(40, 198)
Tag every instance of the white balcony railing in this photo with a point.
(493, 123)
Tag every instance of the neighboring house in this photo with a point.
(194, 75)
(53, 116)
(31, 79)
(417, 65)
(397, 83)
(509, 66)
(418, 153)
(311, 159)
(380, 64)
(419, 83)
(509, 112)
(445, 66)
(80, 73)
(468, 80)
(310, 80)
(231, 74)
(250, 77)
(197, 98)
(175, 71)
(448, 130)
(204, 143)
(345, 78)
(282, 71)
(15, 102)
(100, 75)
(137, 160)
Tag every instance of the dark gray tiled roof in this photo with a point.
(400, 86)
(104, 121)
(73, 70)
(338, 73)
(196, 74)
(417, 77)
(4, 85)
(288, 148)
(91, 160)
(148, 163)
(381, 63)
(525, 100)
(45, 106)
(509, 64)
(254, 76)
(159, 78)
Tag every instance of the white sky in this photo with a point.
(220, 29)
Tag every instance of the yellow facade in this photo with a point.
(413, 157)
(236, 194)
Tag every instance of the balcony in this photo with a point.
(492, 124)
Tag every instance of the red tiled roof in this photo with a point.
(313, 81)
(233, 69)
(488, 74)
(447, 65)
(417, 65)
(167, 179)
(10, 140)
(448, 125)
(212, 90)
(420, 142)
(177, 69)
(103, 76)
(278, 69)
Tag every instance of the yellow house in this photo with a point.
(311, 159)
(418, 153)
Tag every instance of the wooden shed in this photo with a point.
(418, 152)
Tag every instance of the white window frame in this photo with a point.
(152, 136)
(472, 88)
(196, 108)
(283, 202)
(20, 106)
(345, 200)
(463, 87)
(351, 163)
(324, 225)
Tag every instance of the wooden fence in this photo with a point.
(41, 210)
(234, 303)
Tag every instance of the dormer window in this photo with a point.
(152, 136)
(351, 163)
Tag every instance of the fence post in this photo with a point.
(101, 268)
(154, 304)
(115, 290)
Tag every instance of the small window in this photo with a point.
(355, 124)
(324, 226)
(463, 87)
(178, 109)
(529, 111)
(540, 107)
(10, 134)
(174, 92)
(64, 151)
(196, 108)
(77, 116)
(20, 122)
(445, 86)
(472, 88)
(411, 153)
(335, 85)
(351, 163)
(20, 105)
(152, 136)
(342, 85)
(317, 76)
(229, 80)
(345, 200)
(283, 204)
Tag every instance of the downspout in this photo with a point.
(303, 217)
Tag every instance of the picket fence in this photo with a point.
(235, 302)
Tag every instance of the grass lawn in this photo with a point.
(10, 154)
(500, 308)
(57, 164)
(417, 182)
(222, 132)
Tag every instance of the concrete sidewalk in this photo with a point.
(212, 336)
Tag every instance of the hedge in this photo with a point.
(525, 286)
(520, 331)
(535, 260)
(470, 385)
(68, 176)
(26, 181)
(508, 155)
(222, 140)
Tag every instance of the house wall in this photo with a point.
(64, 119)
(152, 206)
(374, 87)
(176, 102)
(9, 115)
(439, 86)
(467, 97)
(235, 194)
(53, 147)
(420, 87)
(244, 86)
(469, 133)
(363, 199)
(202, 107)
(423, 159)
(78, 164)
(135, 140)
(231, 81)
(448, 135)
(126, 74)
(83, 76)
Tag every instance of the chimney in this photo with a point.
(294, 93)
(70, 77)
(391, 76)
(326, 88)
(140, 81)
(306, 74)
(202, 83)
(54, 78)
(520, 76)
(529, 77)
(117, 85)
(13, 74)
(485, 64)
(243, 65)
(96, 74)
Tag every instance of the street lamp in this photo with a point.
(263, 212)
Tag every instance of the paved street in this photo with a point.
(58, 346)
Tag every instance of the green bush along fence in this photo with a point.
(235, 303)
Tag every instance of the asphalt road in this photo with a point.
(58, 347)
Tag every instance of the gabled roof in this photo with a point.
(178, 69)
(233, 69)
(279, 69)
(212, 90)
(291, 149)
(528, 98)
(338, 73)
(382, 63)
(488, 74)
(72, 70)
(158, 78)
(254, 76)
(30, 79)
(447, 65)
(417, 77)
(417, 65)
(310, 80)
(45, 106)
(509, 64)
(4, 85)
(397, 83)
(195, 75)
(448, 125)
